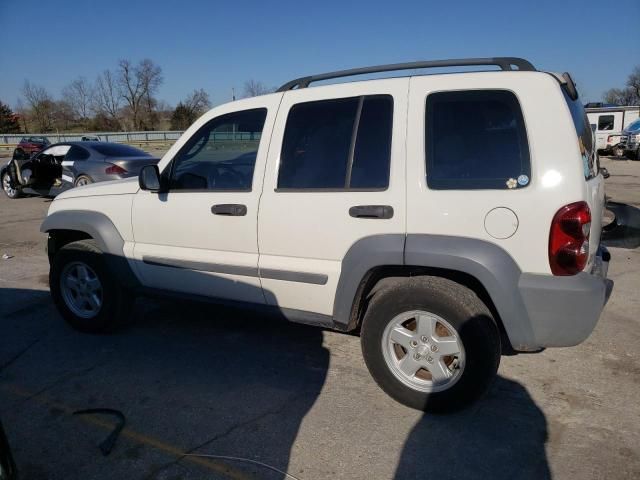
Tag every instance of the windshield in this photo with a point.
(634, 126)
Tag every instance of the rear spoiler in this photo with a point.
(567, 84)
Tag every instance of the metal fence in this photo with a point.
(119, 137)
(141, 138)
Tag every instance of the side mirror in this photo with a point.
(149, 178)
(605, 173)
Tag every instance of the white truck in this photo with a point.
(446, 218)
(608, 123)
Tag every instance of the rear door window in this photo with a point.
(338, 144)
(76, 153)
(475, 140)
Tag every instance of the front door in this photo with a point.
(200, 237)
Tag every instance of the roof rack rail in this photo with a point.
(505, 63)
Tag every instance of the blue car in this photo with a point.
(71, 164)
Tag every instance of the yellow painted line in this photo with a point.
(212, 465)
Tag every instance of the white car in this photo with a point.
(447, 218)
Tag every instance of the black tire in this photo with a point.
(617, 151)
(11, 193)
(116, 302)
(457, 305)
(84, 180)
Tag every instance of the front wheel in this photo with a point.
(9, 190)
(430, 343)
(85, 292)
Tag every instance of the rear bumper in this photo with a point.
(563, 311)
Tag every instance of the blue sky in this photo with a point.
(218, 45)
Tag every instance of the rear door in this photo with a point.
(333, 148)
(72, 164)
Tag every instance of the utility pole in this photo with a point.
(233, 93)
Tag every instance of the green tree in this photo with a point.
(8, 120)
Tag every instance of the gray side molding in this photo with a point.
(103, 231)
(490, 265)
(362, 256)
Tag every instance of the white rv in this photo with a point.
(608, 122)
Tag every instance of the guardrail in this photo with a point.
(141, 139)
(119, 137)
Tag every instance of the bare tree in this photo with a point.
(22, 112)
(629, 95)
(198, 102)
(621, 96)
(253, 88)
(107, 98)
(188, 110)
(79, 97)
(633, 82)
(41, 106)
(138, 84)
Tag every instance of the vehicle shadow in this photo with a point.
(503, 436)
(193, 378)
(202, 379)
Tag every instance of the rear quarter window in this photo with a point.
(475, 140)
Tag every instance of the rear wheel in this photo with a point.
(430, 343)
(618, 151)
(9, 190)
(85, 292)
(83, 180)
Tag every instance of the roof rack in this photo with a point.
(505, 63)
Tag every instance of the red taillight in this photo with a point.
(569, 239)
(115, 170)
(609, 138)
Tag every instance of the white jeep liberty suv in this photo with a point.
(446, 217)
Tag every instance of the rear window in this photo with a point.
(475, 140)
(585, 136)
(119, 150)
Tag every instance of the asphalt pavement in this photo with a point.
(258, 393)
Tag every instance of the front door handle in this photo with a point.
(229, 209)
(371, 211)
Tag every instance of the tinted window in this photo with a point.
(76, 153)
(337, 144)
(118, 150)
(605, 122)
(373, 144)
(221, 155)
(585, 136)
(476, 140)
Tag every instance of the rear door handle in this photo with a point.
(371, 211)
(229, 209)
